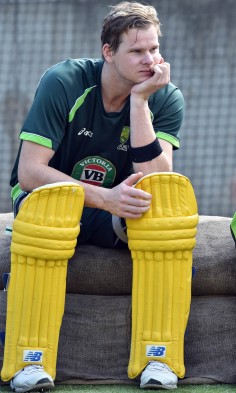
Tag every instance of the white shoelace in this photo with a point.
(32, 368)
(158, 366)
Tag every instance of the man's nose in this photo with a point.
(147, 58)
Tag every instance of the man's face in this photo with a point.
(137, 54)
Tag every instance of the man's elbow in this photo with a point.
(164, 164)
(24, 180)
(24, 186)
(169, 167)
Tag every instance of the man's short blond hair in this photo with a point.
(124, 16)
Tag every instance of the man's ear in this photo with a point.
(107, 53)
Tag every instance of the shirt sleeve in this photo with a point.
(46, 121)
(168, 116)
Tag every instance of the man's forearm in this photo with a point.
(142, 134)
(41, 175)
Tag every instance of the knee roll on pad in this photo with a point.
(44, 236)
(161, 244)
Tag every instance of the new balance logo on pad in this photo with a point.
(155, 350)
(32, 356)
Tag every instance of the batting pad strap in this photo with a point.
(44, 237)
(161, 244)
(118, 229)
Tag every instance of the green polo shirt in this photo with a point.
(91, 145)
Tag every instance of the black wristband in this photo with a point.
(146, 153)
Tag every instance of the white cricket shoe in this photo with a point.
(158, 375)
(32, 378)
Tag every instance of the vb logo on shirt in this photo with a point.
(95, 170)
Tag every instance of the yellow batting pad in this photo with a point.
(44, 236)
(161, 244)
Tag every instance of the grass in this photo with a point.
(219, 388)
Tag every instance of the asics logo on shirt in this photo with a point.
(85, 132)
